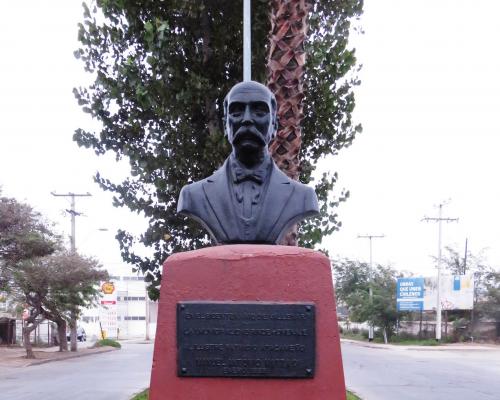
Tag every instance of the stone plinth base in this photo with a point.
(248, 273)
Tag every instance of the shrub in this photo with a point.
(107, 342)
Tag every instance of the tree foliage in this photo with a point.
(486, 279)
(489, 304)
(162, 70)
(55, 287)
(39, 275)
(23, 235)
(352, 285)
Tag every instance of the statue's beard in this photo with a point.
(249, 146)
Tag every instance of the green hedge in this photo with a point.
(107, 342)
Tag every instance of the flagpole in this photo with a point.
(247, 41)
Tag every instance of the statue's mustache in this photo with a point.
(249, 132)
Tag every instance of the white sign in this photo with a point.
(108, 310)
(457, 292)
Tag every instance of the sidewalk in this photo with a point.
(441, 347)
(15, 357)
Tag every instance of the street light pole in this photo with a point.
(370, 289)
(439, 220)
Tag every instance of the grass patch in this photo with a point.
(107, 342)
(396, 340)
(352, 396)
(141, 396)
(144, 396)
(415, 342)
(353, 336)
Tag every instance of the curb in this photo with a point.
(67, 357)
(442, 347)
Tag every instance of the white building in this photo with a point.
(132, 315)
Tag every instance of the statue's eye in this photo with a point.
(236, 109)
(260, 109)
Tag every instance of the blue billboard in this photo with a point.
(410, 294)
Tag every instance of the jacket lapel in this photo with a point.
(219, 197)
(274, 204)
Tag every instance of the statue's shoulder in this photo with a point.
(305, 194)
(191, 192)
(296, 184)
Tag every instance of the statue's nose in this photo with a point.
(247, 115)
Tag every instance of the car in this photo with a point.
(81, 336)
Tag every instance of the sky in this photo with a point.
(428, 102)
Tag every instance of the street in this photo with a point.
(392, 372)
(373, 372)
(116, 375)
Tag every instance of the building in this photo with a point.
(124, 312)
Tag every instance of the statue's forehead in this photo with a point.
(249, 94)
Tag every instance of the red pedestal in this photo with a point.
(248, 273)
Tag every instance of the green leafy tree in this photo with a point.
(352, 286)
(162, 70)
(484, 277)
(55, 287)
(29, 285)
(489, 303)
(24, 235)
(74, 285)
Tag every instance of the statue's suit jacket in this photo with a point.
(211, 203)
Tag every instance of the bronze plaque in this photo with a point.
(255, 339)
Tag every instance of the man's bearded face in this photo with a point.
(249, 123)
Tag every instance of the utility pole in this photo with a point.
(370, 237)
(465, 258)
(247, 41)
(73, 214)
(439, 219)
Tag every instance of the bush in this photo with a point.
(107, 342)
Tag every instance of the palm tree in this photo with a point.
(285, 70)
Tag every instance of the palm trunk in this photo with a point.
(285, 70)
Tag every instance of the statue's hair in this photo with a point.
(256, 85)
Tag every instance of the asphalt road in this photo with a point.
(116, 375)
(375, 373)
(395, 373)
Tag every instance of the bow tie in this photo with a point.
(243, 174)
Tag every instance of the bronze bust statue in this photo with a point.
(248, 199)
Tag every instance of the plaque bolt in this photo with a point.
(308, 308)
(183, 306)
(309, 371)
(184, 370)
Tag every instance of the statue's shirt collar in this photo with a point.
(240, 173)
